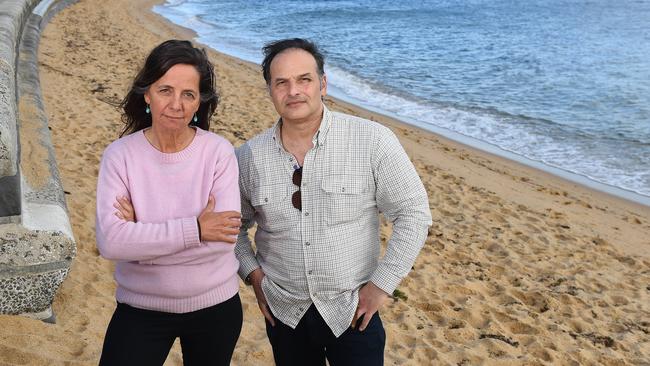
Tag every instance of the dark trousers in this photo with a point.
(312, 342)
(144, 337)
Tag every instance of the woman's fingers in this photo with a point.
(124, 208)
(227, 239)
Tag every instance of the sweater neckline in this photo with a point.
(175, 156)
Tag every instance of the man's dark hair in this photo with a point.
(274, 48)
(160, 60)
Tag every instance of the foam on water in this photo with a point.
(519, 135)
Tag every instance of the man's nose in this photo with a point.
(293, 88)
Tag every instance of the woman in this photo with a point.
(175, 267)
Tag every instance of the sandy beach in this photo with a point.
(519, 268)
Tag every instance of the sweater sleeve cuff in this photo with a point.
(385, 280)
(190, 232)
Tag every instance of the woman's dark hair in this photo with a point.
(159, 61)
(274, 48)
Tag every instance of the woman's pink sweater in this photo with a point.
(160, 263)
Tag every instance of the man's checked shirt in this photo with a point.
(326, 252)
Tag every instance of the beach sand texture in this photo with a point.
(519, 268)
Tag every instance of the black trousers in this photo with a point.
(313, 341)
(144, 337)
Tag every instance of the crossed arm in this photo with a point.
(213, 226)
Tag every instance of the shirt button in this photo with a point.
(266, 200)
(300, 309)
(343, 189)
(307, 243)
(310, 271)
(306, 213)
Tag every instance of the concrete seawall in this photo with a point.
(36, 241)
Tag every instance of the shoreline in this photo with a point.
(496, 152)
(457, 137)
(449, 136)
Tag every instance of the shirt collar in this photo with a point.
(319, 136)
(324, 128)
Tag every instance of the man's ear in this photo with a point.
(323, 85)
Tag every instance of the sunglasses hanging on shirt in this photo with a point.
(296, 197)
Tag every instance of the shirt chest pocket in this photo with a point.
(345, 197)
(273, 205)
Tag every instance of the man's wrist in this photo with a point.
(249, 279)
(251, 276)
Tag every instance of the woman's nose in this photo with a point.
(176, 102)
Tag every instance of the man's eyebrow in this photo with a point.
(287, 78)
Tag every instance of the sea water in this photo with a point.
(562, 83)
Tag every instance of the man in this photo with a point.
(315, 183)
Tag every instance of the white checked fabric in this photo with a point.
(326, 252)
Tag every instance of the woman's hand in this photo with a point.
(218, 226)
(124, 208)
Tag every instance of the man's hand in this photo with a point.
(371, 298)
(256, 280)
(124, 208)
(219, 226)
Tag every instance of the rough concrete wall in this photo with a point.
(13, 16)
(36, 250)
(37, 163)
(33, 264)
